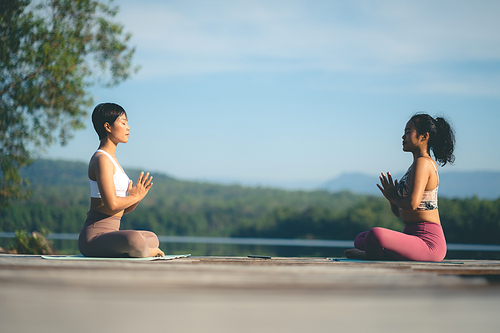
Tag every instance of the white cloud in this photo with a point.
(369, 37)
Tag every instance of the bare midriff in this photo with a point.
(411, 216)
(97, 205)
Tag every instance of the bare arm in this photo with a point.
(395, 210)
(129, 209)
(394, 207)
(418, 181)
(103, 170)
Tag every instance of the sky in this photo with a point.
(295, 93)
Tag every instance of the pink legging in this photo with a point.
(419, 241)
(101, 237)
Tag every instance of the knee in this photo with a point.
(374, 243)
(377, 236)
(151, 238)
(138, 245)
(148, 234)
(359, 241)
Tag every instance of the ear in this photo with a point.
(107, 127)
(425, 136)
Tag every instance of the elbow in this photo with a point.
(408, 204)
(113, 208)
(128, 210)
(414, 205)
(112, 205)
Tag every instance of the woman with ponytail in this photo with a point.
(413, 198)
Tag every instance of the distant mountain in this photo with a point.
(60, 172)
(483, 184)
(354, 182)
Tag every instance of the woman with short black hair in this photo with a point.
(112, 194)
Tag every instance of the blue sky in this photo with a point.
(299, 92)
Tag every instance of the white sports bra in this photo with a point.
(120, 179)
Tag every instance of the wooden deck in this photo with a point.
(240, 294)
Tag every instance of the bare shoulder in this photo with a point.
(425, 164)
(425, 170)
(98, 164)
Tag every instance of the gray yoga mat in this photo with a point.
(382, 261)
(80, 257)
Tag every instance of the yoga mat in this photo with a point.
(382, 261)
(81, 257)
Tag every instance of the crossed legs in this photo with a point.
(123, 243)
(420, 242)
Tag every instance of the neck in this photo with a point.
(108, 146)
(422, 152)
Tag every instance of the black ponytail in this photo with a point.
(441, 136)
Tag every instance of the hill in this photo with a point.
(60, 201)
(481, 184)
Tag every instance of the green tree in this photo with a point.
(51, 53)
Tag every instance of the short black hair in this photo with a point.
(105, 113)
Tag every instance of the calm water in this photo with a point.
(276, 247)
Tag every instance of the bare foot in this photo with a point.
(355, 254)
(156, 252)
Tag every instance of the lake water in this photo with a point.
(275, 247)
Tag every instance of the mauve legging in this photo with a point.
(419, 241)
(101, 237)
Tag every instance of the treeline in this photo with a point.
(60, 200)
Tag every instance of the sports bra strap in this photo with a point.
(112, 160)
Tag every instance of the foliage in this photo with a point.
(471, 220)
(60, 202)
(36, 243)
(49, 53)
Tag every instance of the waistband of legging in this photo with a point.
(417, 225)
(94, 216)
(422, 223)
